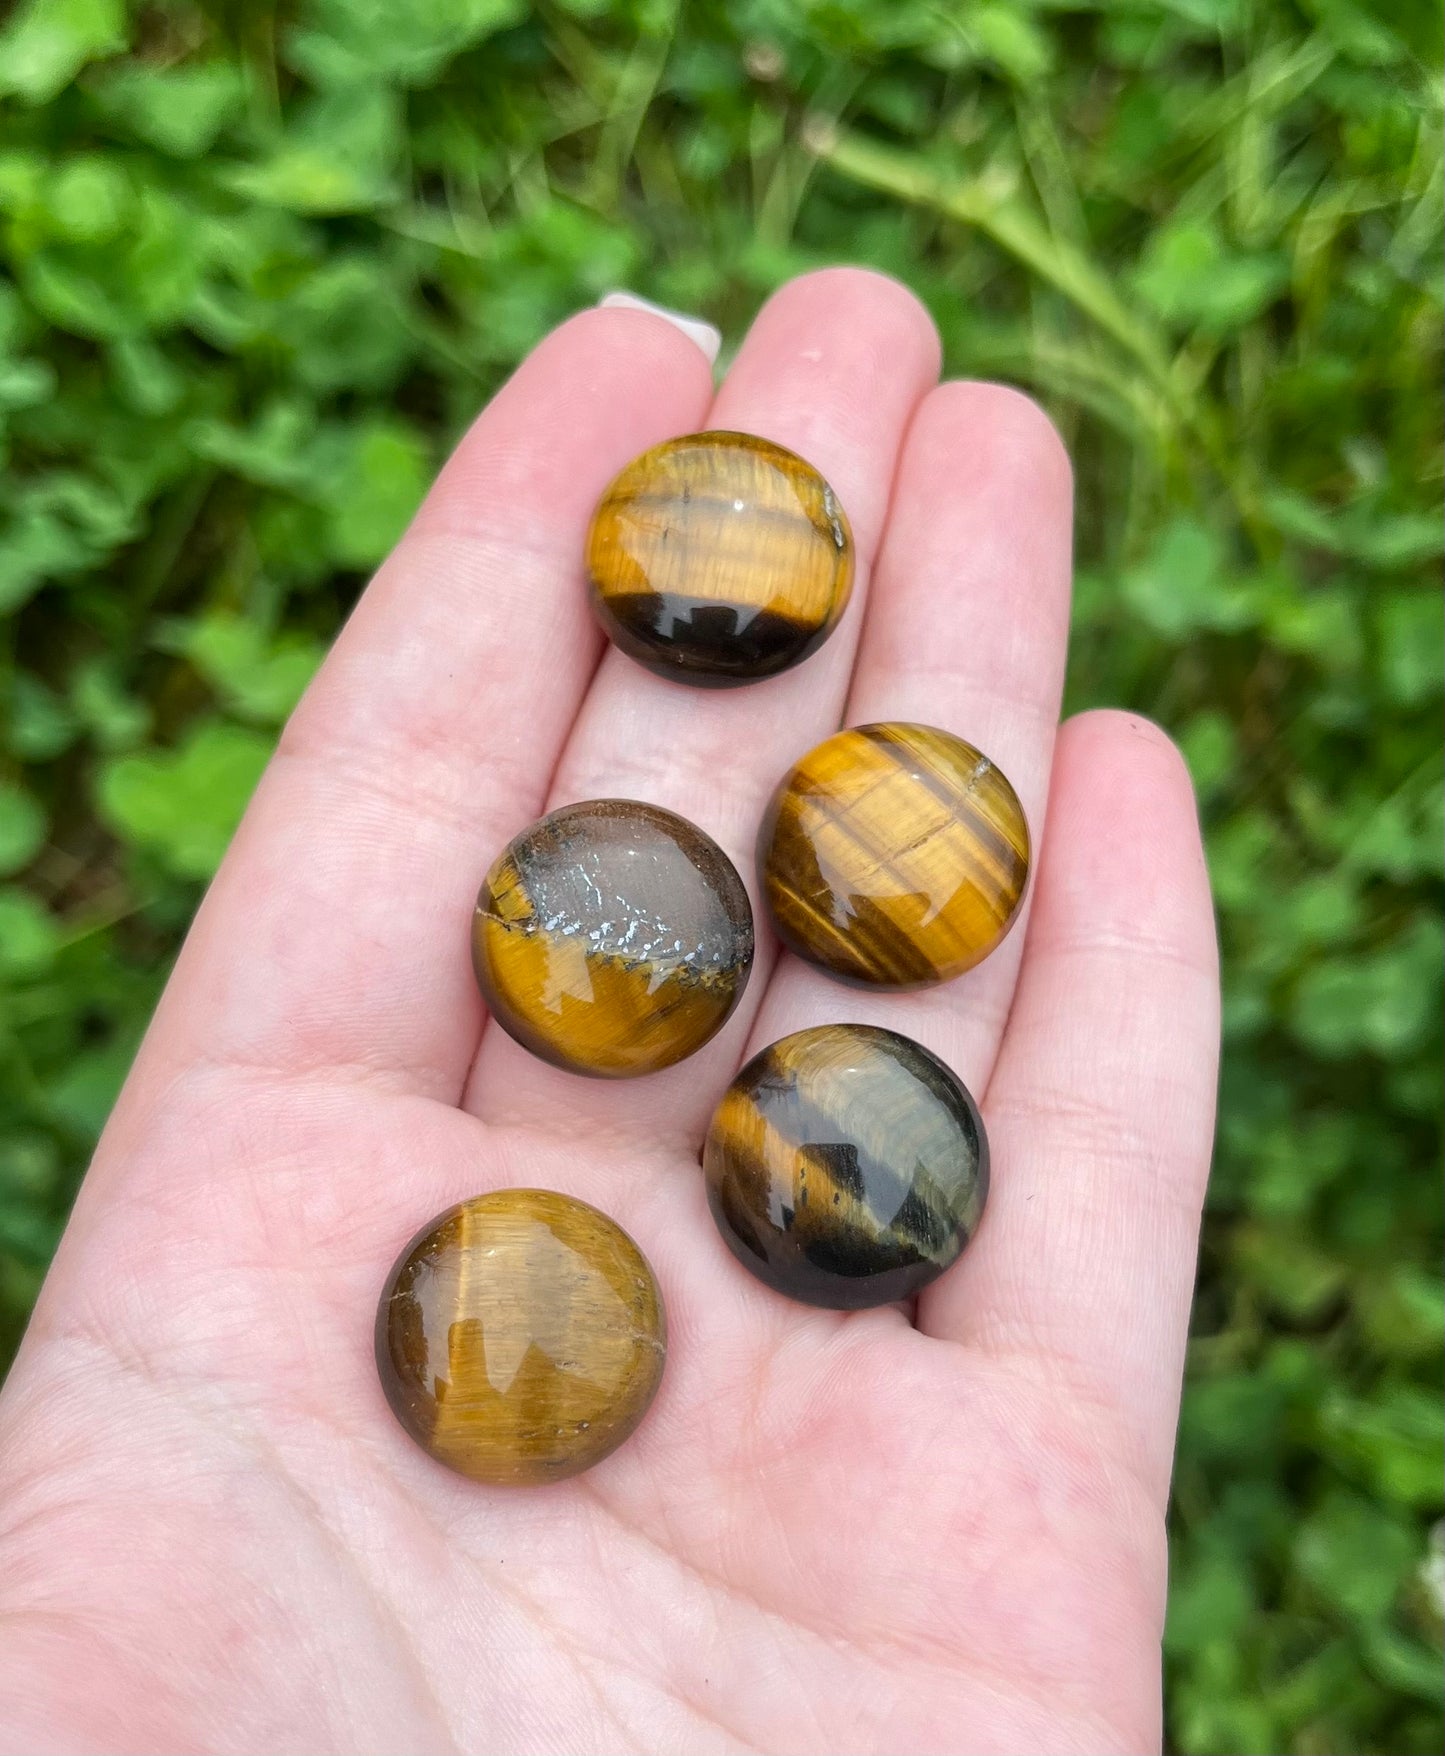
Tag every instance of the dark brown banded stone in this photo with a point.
(846, 1166)
(520, 1337)
(612, 938)
(719, 558)
(894, 856)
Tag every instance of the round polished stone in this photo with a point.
(894, 856)
(520, 1337)
(719, 558)
(846, 1166)
(612, 938)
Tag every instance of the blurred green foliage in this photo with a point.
(260, 265)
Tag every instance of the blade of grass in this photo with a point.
(990, 203)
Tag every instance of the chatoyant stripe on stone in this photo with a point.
(846, 1166)
(612, 938)
(520, 1337)
(719, 558)
(894, 855)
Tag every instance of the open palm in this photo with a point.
(832, 1533)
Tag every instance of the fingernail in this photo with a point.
(706, 337)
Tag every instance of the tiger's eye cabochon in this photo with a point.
(894, 856)
(520, 1337)
(846, 1166)
(612, 938)
(719, 559)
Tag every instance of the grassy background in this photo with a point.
(257, 267)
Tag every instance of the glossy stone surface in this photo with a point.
(719, 558)
(846, 1166)
(520, 1337)
(894, 856)
(612, 938)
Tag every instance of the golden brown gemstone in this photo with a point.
(846, 1166)
(894, 855)
(612, 938)
(520, 1337)
(719, 558)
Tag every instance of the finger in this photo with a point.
(833, 368)
(1101, 1107)
(967, 630)
(334, 936)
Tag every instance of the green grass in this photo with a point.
(258, 269)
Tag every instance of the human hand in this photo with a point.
(833, 1533)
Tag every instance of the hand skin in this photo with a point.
(833, 1533)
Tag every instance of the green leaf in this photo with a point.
(47, 42)
(1321, 911)
(147, 379)
(1192, 280)
(1394, 1442)
(1386, 1002)
(24, 383)
(339, 154)
(183, 805)
(1404, 836)
(41, 725)
(89, 200)
(1406, 1665)
(1322, 623)
(1357, 32)
(115, 719)
(25, 1233)
(277, 450)
(1362, 532)
(1403, 1312)
(29, 1163)
(1212, 1597)
(81, 1097)
(1297, 1278)
(1432, 1571)
(1356, 1556)
(180, 110)
(344, 327)
(1406, 540)
(1242, 851)
(1412, 646)
(1010, 39)
(1184, 585)
(350, 41)
(38, 546)
(29, 936)
(22, 176)
(259, 679)
(1210, 745)
(1242, 1417)
(72, 298)
(1209, 15)
(309, 179)
(22, 828)
(383, 475)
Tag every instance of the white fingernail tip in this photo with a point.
(706, 337)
